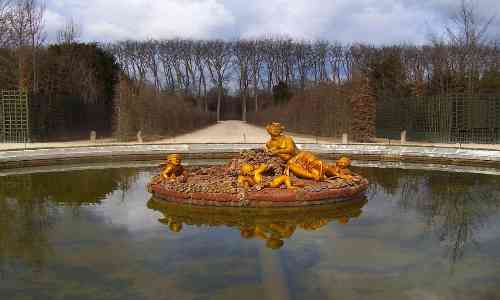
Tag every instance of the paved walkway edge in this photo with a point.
(53, 156)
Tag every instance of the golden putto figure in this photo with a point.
(340, 169)
(250, 175)
(303, 164)
(172, 169)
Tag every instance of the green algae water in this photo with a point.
(97, 234)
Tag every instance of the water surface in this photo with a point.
(95, 234)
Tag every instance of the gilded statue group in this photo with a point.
(302, 164)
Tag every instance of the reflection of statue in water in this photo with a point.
(273, 227)
(273, 233)
(174, 225)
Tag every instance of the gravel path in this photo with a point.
(231, 132)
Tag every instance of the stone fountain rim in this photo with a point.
(12, 159)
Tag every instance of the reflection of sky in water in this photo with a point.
(118, 250)
(124, 208)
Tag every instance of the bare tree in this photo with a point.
(218, 60)
(26, 25)
(269, 59)
(335, 54)
(199, 56)
(319, 58)
(166, 58)
(71, 33)
(302, 53)
(466, 38)
(256, 67)
(243, 54)
(4, 25)
(152, 61)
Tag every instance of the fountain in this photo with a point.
(279, 175)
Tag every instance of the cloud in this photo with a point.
(373, 21)
(135, 19)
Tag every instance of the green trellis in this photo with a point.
(458, 118)
(14, 116)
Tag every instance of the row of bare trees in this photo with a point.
(22, 33)
(249, 66)
(253, 67)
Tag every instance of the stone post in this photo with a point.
(139, 136)
(345, 138)
(403, 137)
(93, 136)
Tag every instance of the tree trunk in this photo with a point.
(256, 99)
(219, 101)
(244, 107)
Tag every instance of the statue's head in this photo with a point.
(275, 128)
(174, 159)
(246, 169)
(343, 162)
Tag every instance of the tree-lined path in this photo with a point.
(223, 132)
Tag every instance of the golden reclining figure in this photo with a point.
(303, 164)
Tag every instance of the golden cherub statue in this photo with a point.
(280, 180)
(281, 145)
(172, 169)
(251, 175)
(303, 164)
(340, 169)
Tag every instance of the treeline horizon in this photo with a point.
(195, 66)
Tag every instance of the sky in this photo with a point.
(347, 21)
